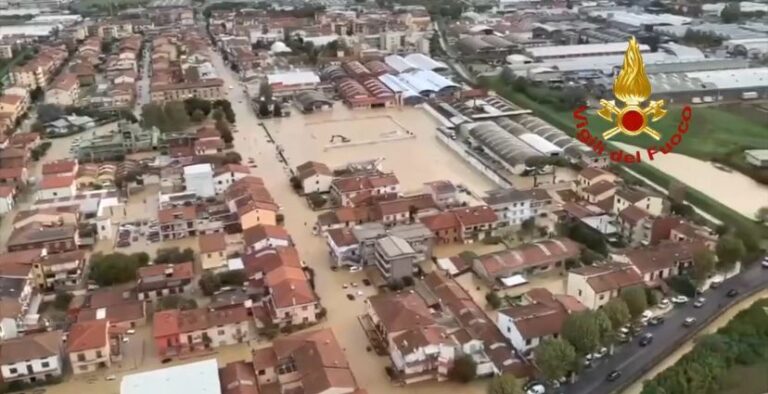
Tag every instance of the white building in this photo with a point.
(57, 186)
(196, 377)
(31, 358)
(315, 177)
(516, 206)
(199, 179)
(227, 175)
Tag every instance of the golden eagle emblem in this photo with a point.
(632, 87)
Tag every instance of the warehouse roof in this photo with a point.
(582, 50)
(503, 144)
(425, 62)
(293, 78)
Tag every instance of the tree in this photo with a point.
(232, 158)
(493, 299)
(408, 281)
(682, 209)
(704, 263)
(223, 127)
(47, 113)
(505, 384)
(617, 312)
(528, 225)
(209, 283)
(277, 110)
(178, 119)
(197, 116)
(114, 268)
(232, 278)
(174, 301)
(37, 94)
(555, 357)
(174, 256)
(762, 215)
(62, 300)
(193, 104)
(464, 369)
(265, 92)
(731, 13)
(636, 300)
(217, 115)
(729, 251)
(152, 115)
(37, 127)
(226, 108)
(582, 331)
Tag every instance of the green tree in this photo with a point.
(555, 357)
(636, 300)
(174, 301)
(582, 331)
(729, 251)
(232, 278)
(505, 384)
(113, 268)
(762, 215)
(704, 263)
(197, 116)
(617, 312)
(493, 299)
(682, 209)
(176, 115)
(174, 256)
(223, 127)
(731, 13)
(464, 369)
(152, 115)
(62, 300)
(209, 283)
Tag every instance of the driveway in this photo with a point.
(633, 361)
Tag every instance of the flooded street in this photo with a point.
(733, 189)
(637, 388)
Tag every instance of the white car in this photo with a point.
(765, 263)
(130, 331)
(600, 353)
(125, 339)
(110, 377)
(664, 303)
(681, 299)
(355, 268)
(646, 315)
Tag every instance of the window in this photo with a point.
(45, 364)
(528, 342)
(98, 354)
(12, 370)
(602, 297)
(579, 292)
(262, 372)
(221, 332)
(81, 357)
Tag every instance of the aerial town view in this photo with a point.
(383, 197)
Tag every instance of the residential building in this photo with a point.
(443, 192)
(60, 167)
(345, 189)
(56, 186)
(192, 377)
(395, 258)
(13, 158)
(13, 106)
(227, 175)
(591, 176)
(7, 199)
(264, 236)
(657, 262)
(418, 237)
(343, 246)
(188, 221)
(14, 176)
(526, 259)
(635, 226)
(513, 207)
(252, 202)
(314, 177)
(27, 141)
(475, 223)
(649, 201)
(207, 89)
(310, 361)
(60, 270)
(404, 210)
(88, 346)
(33, 358)
(686, 231)
(157, 281)
(55, 239)
(177, 333)
(198, 179)
(540, 318)
(64, 91)
(213, 251)
(595, 285)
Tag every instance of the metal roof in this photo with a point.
(504, 145)
(201, 377)
(399, 63)
(424, 62)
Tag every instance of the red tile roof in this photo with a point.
(261, 232)
(59, 167)
(57, 181)
(210, 243)
(88, 335)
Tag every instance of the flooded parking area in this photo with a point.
(733, 189)
(403, 137)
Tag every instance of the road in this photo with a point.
(633, 361)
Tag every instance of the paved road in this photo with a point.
(632, 360)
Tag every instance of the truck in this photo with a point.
(749, 95)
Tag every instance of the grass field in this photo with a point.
(747, 380)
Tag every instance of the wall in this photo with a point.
(54, 368)
(92, 360)
(317, 184)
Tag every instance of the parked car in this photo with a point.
(367, 282)
(646, 339)
(732, 293)
(645, 316)
(664, 303)
(355, 268)
(680, 299)
(715, 284)
(689, 321)
(699, 302)
(623, 338)
(765, 262)
(615, 374)
(110, 377)
(602, 352)
(656, 320)
(130, 331)
(351, 297)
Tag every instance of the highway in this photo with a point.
(633, 361)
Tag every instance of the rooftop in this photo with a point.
(201, 377)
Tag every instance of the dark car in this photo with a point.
(350, 297)
(366, 282)
(615, 374)
(646, 340)
(732, 293)
(656, 320)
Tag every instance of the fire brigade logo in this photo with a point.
(632, 88)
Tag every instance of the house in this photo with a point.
(209, 147)
(228, 174)
(191, 377)
(55, 239)
(85, 73)
(403, 210)
(598, 191)
(649, 201)
(157, 281)
(445, 226)
(314, 177)
(13, 158)
(56, 186)
(33, 358)
(213, 251)
(177, 222)
(595, 285)
(635, 225)
(60, 167)
(7, 199)
(345, 189)
(654, 263)
(526, 259)
(416, 235)
(14, 176)
(63, 214)
(685, 231)
(395, 258)
(317, 360)
(64, 91)
(591, 176)
(264, 236)
(60, 270)
(513, 207)
(252, 201)
(88, 346)
(525, 326)
(475, 223)
(13, 106)
(443, 192)
(177, 332)
(238, 377)
(26, 141)
(343, 246)
(198, 179)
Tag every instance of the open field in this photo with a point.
(404, 138)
